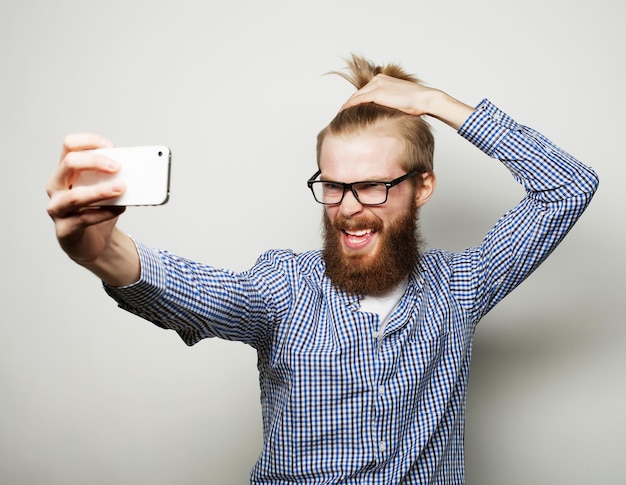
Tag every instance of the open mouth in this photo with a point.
(357, 239)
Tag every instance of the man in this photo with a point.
(364, 347)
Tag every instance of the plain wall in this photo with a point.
(91, 394)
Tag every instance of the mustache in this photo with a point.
(342, 223)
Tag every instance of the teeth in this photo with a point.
(361, 232)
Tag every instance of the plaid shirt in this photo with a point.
(341, 405)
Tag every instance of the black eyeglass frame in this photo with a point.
(388, 185)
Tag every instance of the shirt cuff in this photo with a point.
(150, 285)
(487, 126)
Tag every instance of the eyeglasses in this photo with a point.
(369, 192)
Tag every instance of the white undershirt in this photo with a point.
(384, 305)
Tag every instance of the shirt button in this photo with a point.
(382, 446)
(381, 390)
(375, 334)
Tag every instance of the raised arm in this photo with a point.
(558, 188)
(87, 233)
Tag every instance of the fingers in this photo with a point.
(354, 100)
(406, 96)
(77, 157)
(367, 94)
(84, 141)
(76, 162)
(66, 199)
(70, 228)
(73, 219)
(65, 202)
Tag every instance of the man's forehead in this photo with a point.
(369, 155)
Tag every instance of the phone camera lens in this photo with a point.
(160, 154)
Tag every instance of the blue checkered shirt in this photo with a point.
(340, 404)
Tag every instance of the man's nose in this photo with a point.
(350, 205)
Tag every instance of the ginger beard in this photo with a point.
(363, 273)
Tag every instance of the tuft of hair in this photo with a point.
(360, 71)
(412, 130)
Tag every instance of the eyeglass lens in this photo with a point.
(366, 193)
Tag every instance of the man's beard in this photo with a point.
(366, 274)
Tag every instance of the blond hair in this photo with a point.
(412, 130)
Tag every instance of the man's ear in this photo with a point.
(426, 189)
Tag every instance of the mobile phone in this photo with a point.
(145, 170)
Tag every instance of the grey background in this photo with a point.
(93, 395)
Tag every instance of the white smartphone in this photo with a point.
(145, 170)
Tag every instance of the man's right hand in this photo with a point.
(411, 98)
(85, 231)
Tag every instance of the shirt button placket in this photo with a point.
(380, 392)
(378, 442)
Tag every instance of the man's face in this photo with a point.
(369, 249)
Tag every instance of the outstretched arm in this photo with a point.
(412, 98)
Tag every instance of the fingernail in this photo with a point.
(106, 143)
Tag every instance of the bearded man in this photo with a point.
(363, 347)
